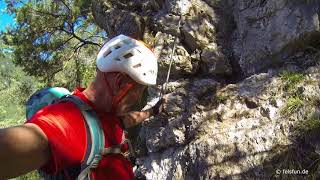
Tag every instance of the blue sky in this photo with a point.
(5, 19)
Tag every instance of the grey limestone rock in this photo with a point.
(269, 31)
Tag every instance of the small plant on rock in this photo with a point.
(293, 104)
(291, 80)
(309, 128)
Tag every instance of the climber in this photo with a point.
(54, 140)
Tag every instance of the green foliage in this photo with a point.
(302, 154)
(291, 79)
(308, 133)
(296, 157)
(50, 33)
(54, 41)
(15, 88)
(309, 128)
(30, 176)
(71, 77)
(293, 104)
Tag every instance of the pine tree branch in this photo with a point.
(64, 3)
(79, 38)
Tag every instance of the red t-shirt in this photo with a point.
(65, 129)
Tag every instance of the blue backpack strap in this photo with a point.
(95, 137)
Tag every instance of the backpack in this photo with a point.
(95, 136)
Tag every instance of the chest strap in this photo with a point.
(117, 149)
(95, 137)
(95, 140)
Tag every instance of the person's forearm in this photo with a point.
(22, 149)
(135, 117)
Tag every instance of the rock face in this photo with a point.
(211, 128)
(157, 22)
(227, 134)
(269, 31)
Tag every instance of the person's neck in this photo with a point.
(98, 96)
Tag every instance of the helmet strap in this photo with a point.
(120, 95)
(124, 91)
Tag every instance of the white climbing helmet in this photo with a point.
(132, 57)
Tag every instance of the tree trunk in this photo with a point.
(119, 17)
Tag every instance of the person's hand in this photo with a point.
(159, 107)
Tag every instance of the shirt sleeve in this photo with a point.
(64, 127)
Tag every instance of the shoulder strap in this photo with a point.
(95, 137)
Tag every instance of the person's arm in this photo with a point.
(134, 118)
(22, 149)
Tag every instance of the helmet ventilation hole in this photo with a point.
(106, 53)
(137, 65)
(144, 74)
(128, 55)
(117, 59)
(117, 47)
